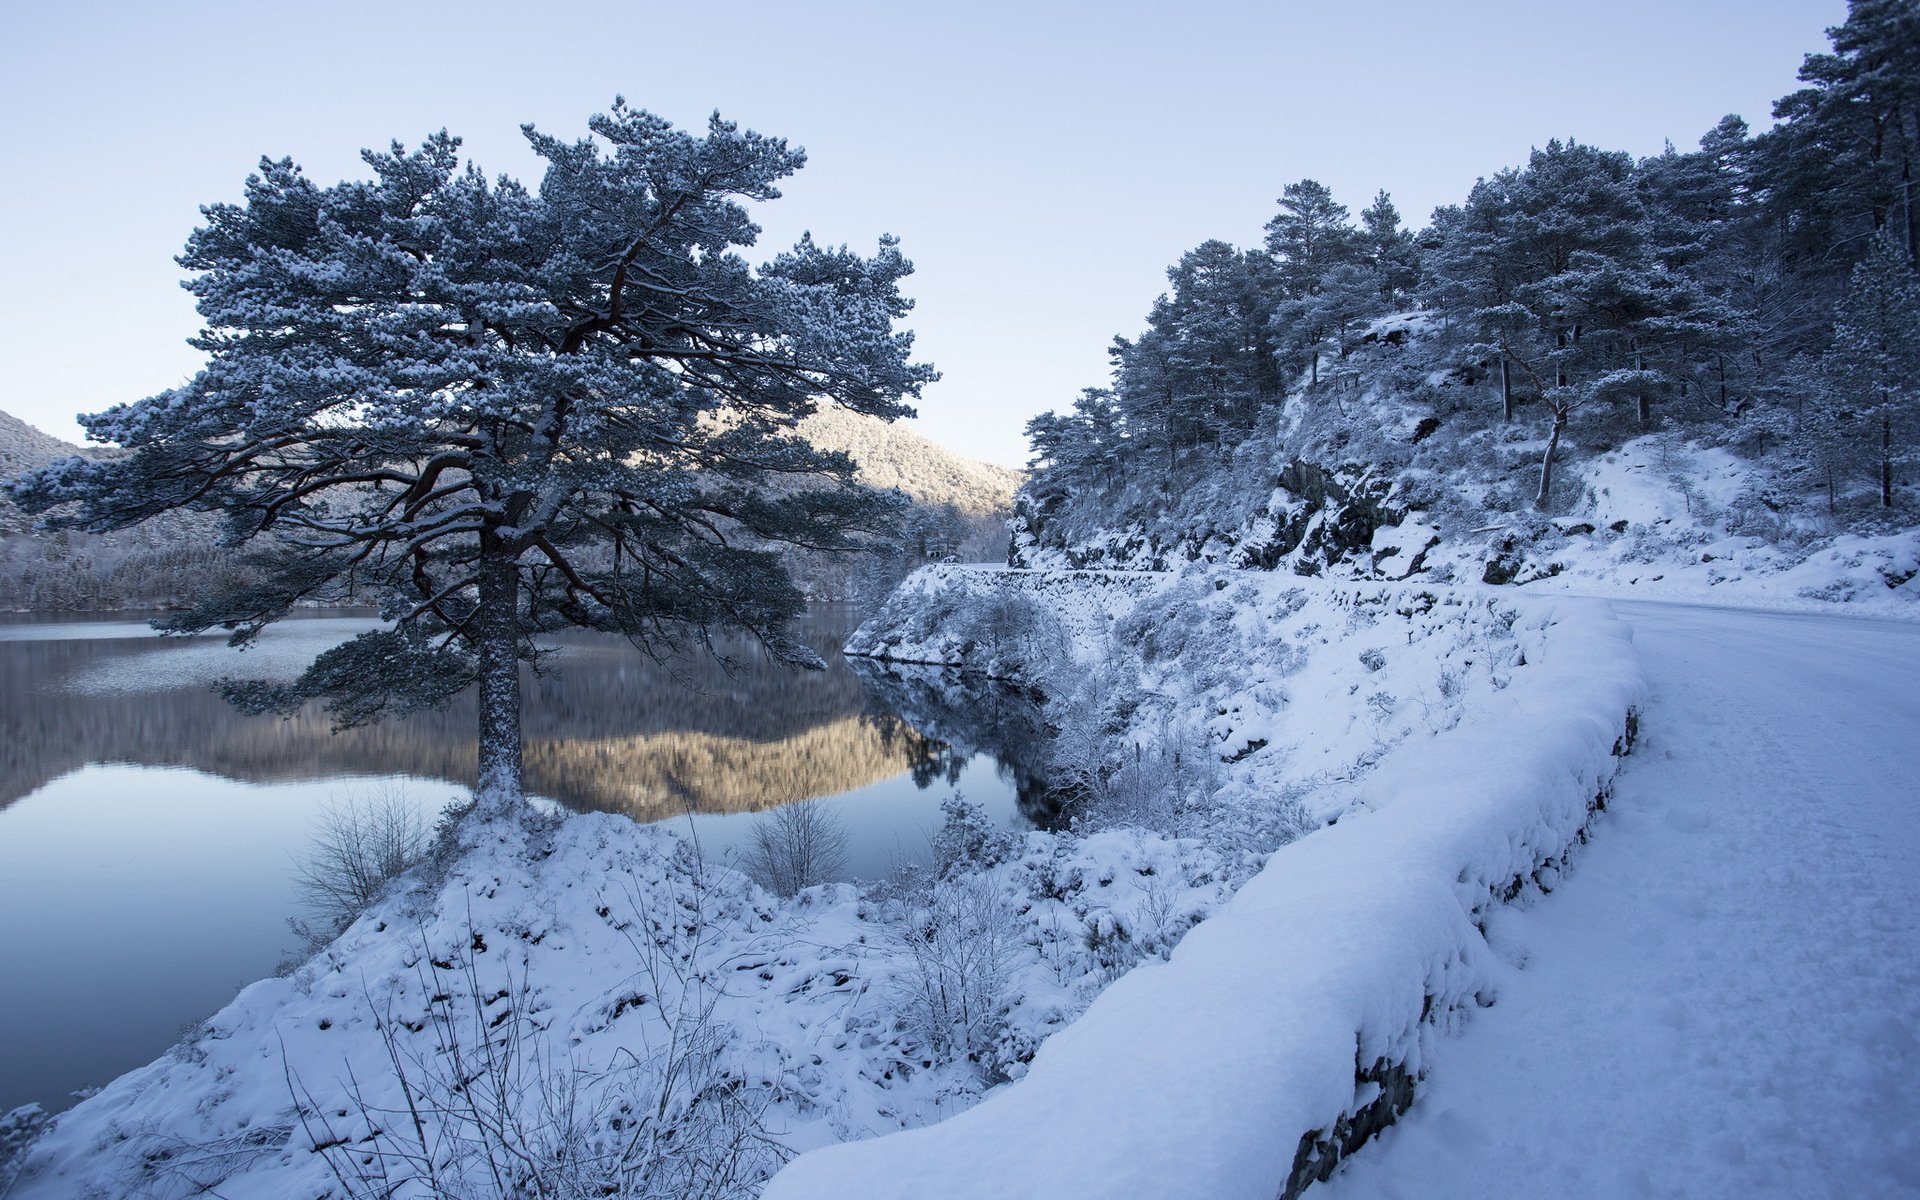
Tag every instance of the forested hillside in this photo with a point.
(151, 565)
(959, 505)
(1589, 358)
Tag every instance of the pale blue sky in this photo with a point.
(1043, 163)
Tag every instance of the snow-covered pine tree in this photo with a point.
(509, 410)
(1390, 251)
(1309, 235)
(1551, 267)
(1874, 363)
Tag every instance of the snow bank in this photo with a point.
(1284, 1030)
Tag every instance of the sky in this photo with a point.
(1043, 163)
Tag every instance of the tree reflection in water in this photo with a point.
(968, 715)
(607, 728)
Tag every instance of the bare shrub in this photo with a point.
(1165, 781)
(796, 846)
(957, 943)
(361, 844)
(483, 1102)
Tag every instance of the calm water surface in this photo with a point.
(149, 833)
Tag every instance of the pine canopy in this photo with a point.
(507, 411)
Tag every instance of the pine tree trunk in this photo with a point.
(497, 635)
(1886, 461)
(1913, 227)
(1546, 461)
(1506, 391)
(1645, 405)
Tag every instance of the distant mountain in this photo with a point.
(960, 507)
(22, 448)
(893, 456)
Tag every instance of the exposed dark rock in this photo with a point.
(1321, 1150)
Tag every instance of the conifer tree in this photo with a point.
(508, 410)
(1874, 364)
(1389, 250)
(1310, 234)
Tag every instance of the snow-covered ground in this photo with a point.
(595, 947)
(1301, 1010)
(1719, 1001)
(1724, 999)
(1661, 518)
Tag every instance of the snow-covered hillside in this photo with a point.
(1399, 466)
(22, 448)
(160, 562)
(1285, 1030)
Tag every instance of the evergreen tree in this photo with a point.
(1838, 170)
(1388, 249)
(1874, 364)
(1308, 236)
(1078, 453)
(509, 410)
(1820, 437)
(1701, 227)
(1552, 262)
(1846, 147)
(1323, 321)
(1220, 349)
(1204, 368)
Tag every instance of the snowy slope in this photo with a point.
(1307, 1007)
(1404, 468)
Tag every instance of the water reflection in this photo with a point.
(606, 727)
(148, 830)
(972, 716)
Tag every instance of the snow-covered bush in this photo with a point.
(957, 943)
(968, 841)
(18, 1130)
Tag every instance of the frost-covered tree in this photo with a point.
(1844, 162)
(508, 410)
(1390, 251)
(1221, 350)
(1309, 235)
(1324, 321)
(1874, 364)
(1550, 270)
(1077, 452)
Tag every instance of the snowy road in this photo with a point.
(1723, 1000)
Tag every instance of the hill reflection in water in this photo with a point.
(606, 727)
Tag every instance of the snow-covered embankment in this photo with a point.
(1289, 1027)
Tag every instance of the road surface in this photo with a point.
(1723, 997)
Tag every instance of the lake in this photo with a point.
(150, 835)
